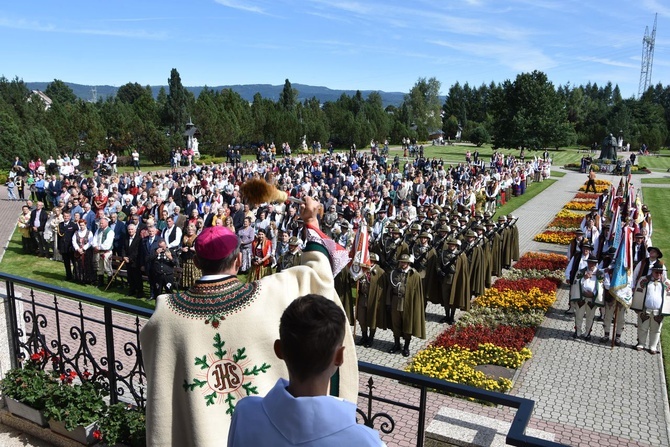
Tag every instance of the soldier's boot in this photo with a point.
(371, 339)
(364, 338)
(405, 349)
(396, 346)
(101, 280)
(452, 315)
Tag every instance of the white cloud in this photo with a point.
(241, 6)
(27, 25)
(656, 6)
(605, 61)
(515, 55)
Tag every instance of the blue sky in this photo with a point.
(342, 44)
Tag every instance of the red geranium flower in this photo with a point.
(97, 434)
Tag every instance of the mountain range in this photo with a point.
(323, 94)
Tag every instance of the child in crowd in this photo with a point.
(300, 411)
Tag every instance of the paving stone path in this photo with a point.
(585, 393)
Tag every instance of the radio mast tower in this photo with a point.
(648, 42)
(94, 95)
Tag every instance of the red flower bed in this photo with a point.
(584, 195)
(525, 284)
(542, 261)
(566, 222)
(470, 337)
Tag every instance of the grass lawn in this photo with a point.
(656, 198)
(533, 190)
(555, 173)
(53, 273)
(657, 181)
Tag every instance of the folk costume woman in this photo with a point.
(84, 270)
(262, 257)
(190, 273)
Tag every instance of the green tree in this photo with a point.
(175, 107)
(424, 105)
(451, 127)
(11, 142)
(130, 92)
(288, 97)
(528, 113)
(60, 92)
(479, 136)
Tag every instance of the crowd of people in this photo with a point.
(591, 271)
(84, 220)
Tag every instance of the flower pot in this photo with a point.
(26, 412)
(81, 434)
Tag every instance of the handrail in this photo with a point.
(121, 380)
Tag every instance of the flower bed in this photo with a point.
(519, 301)
(541, 261)
(566, 222)
(498, 328)
(579, 206)
(525, 284)
(555, 237)
(587, 195)
(470, 337)
(569, 215)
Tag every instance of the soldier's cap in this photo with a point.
(374, 257)
(453, 241)
(215, 243)
(426, 235)
(444, 229)
(592, 258)
(658, 250)
(479, 214)
(579, 231)
(402, 219)
(645, 208)
(587, 246)
(294, 241)
(406, 258)
(395, 230)
(466, 211)
(391, 226)
(344, 224)
(443, 218)
(415, 227)
(479, 227)
(510, 216)
(422, 215)
(438, 208)
(427, 222)
(470, 233)
(502, 218)
(487, 214)
(658, 266)
(463, 219)
(490, 223)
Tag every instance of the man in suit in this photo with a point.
(149, 247)
(120, 231)
(66, 231)
(132, 255)
(190, 204)
(54, 188)
(89, 217)
(162, 263)
(38, 220)
(238, 216)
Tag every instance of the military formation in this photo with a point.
(444, 256)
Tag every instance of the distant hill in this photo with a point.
(323, 94)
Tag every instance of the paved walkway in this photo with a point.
(585, 393)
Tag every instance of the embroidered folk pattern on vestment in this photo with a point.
(213, 301)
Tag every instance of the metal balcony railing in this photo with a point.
(83, 332)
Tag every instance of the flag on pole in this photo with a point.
(360, 253)
(621, 274)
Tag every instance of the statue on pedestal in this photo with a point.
(608, 148)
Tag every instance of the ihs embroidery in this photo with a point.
(225, 379)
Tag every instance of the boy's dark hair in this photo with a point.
(311, 329)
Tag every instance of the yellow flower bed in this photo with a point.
(600, 188)
(569, 214)
(555, 237)
(458, 364)
(581, 206)
(515, 300)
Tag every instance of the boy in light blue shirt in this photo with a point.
(300, 411)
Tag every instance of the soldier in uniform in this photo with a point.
(329, 219)
(370, 306)
(475, 256)
(424, 261)
(292, 257)
(162, 269)
(442, 235)
(514, 236)
(493, 241)
(404, 296)
(392, 248)
(346, 236)
(451, 284)
(412, 235)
